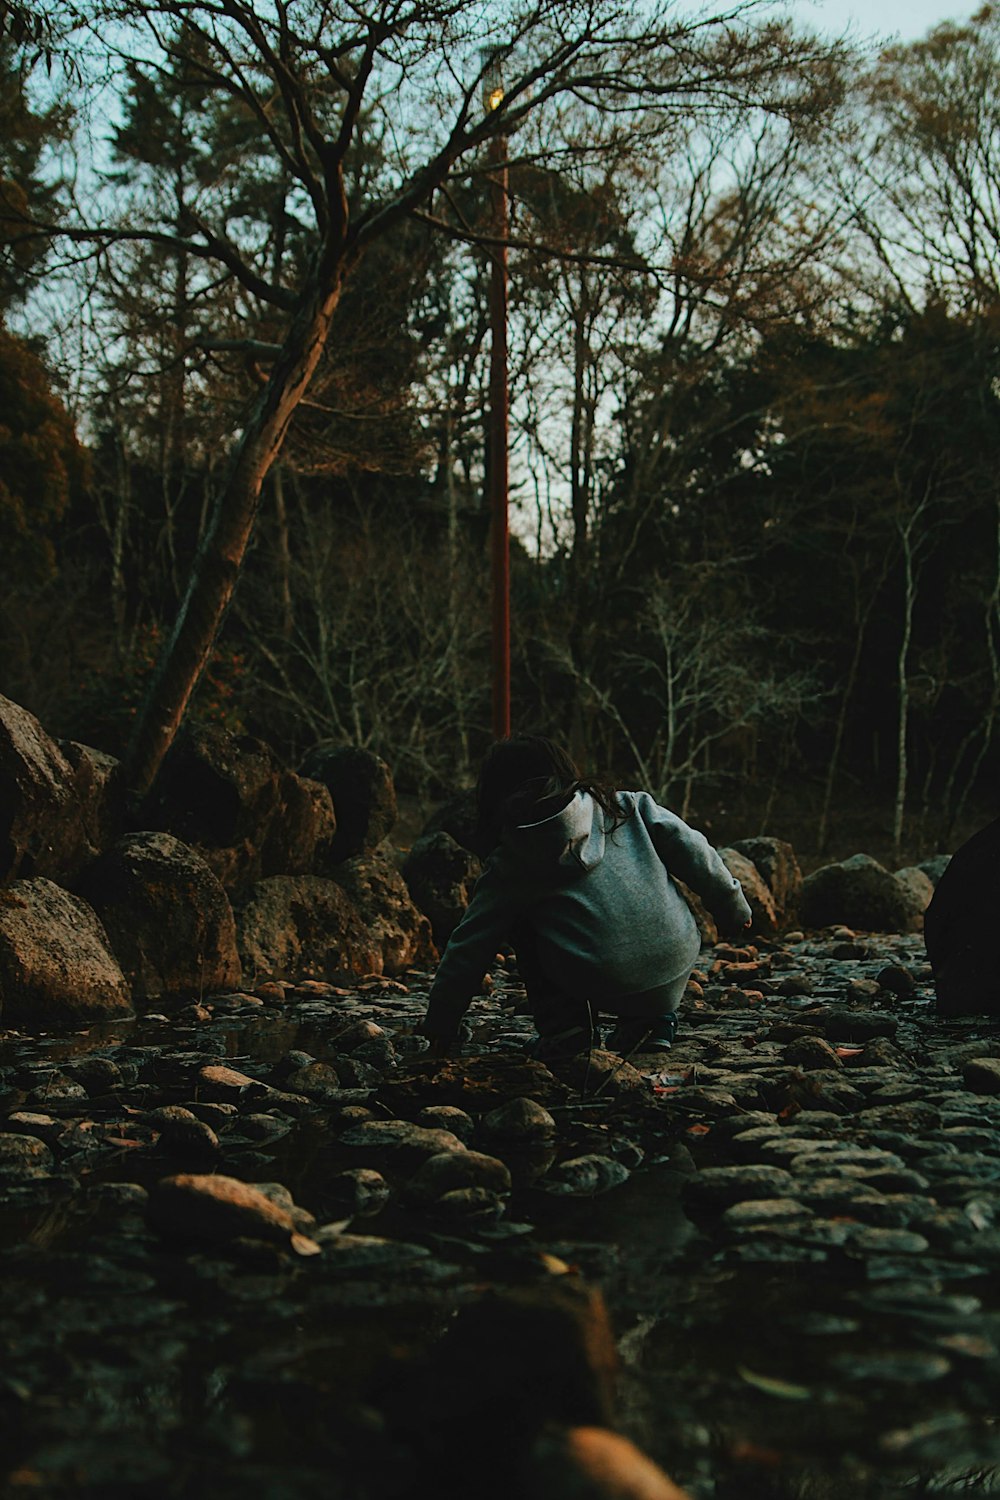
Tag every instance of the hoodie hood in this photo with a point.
(572, 836)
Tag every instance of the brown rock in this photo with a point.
(401, 1141)
(776, 862)
(858, 892)
(982, 1075)
(475, 1084)
(755, 889)
(296, 925)
(918, 890)
(167, 917)
(23, 1156)
(222, 1209)
(229, 797)
(53, 805)
(519, 1120)
(811, 1052)
(380, 895)
(450, 1171)
(56, 965)
(440, 875)
(364, 797)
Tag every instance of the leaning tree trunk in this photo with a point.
(220, 556)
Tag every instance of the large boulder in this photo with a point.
(755, 889)
(100, 793)
(440, 875)
(858, 892)
(55, 805)
(363, 793)
(295, 926)
(229, 797)
(168, 918)
(301, 835)
(56, 965)
(959, 928)
(458, 817)
(775, 860)
(918, 888)
(379, 893)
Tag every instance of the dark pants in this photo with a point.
(554, 1010)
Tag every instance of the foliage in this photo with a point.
(754, 376)
(40, 461)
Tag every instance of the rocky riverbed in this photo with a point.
(241, 1242)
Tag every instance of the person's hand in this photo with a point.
(440, 1046)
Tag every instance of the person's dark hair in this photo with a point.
(529, 777)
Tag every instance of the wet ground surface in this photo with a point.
(794, 1218)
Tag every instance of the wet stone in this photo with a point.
(879, 1240)
(45, 1127)
(982, 1075)
(897, 980)
(962, 1164)
(227, 1085)
(23, 1157)
(847, 1025)
(972, 1138)
(221, 1209)
(735, 1125)
(316, 1080)
(478, 1204)
(278, 1194)
(58, 1088)
(181, 1133)
(378, 1053)
(98, 1075)
(880, 1052)
(812, 1052)
(451, 1171)
(520, 1120)
(399, 1138)
(720, 1187)
(911, 1118)
(893, 1268)
(903, 1366)
(123, 1197)
(448, 1117)
(263, 1128)
(886, 1179)
(763, 1212)
(219, 1116)
(585, 1176)
(360, 1192)
(351, 1254)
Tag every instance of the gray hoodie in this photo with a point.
(608, 920)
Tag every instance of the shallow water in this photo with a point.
(133, 1368)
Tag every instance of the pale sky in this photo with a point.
(905, 19)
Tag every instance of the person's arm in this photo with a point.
(469, 952)
(687, 854)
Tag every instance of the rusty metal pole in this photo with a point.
(498, 456)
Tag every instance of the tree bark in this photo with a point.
(220, 556)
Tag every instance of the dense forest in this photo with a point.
(755, 390)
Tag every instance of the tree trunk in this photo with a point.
(903, 690)
(220, 555)
(284, 555)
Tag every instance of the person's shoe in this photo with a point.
(563, 1044)
(652, 1034)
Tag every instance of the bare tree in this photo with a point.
(312, 75)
